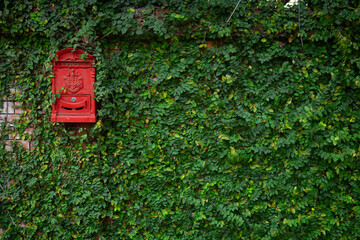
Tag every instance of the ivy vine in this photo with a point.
(207, 128)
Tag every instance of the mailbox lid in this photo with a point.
(78, 110)
(74, 104)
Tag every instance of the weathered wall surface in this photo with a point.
(207, 128)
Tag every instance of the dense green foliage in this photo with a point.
(207, 129)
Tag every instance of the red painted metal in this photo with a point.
(74, 79)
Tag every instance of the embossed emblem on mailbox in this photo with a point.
(73, 82)
(73, 79)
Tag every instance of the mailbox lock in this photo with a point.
(73, 99)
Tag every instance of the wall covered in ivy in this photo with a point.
(207, 127)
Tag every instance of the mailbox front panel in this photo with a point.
(74, 105)
(73, 79)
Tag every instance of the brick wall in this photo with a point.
(10, 111)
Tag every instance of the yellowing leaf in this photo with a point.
(290, 39)
(231, 95)
(224, 137)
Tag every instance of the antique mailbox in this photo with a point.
(74, 76)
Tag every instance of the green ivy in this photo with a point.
(207, 128)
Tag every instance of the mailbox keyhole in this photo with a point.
(73, 99)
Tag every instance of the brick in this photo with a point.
(7, 148)
(7, 145)
(13, 135)
(10, 118)
(10, 182)
(9, 107)
(32, 145)
(13, 90)
(17, 108)
(2, 118)
(13, 93)
(25, 144)
(13, 117)
(210, 44)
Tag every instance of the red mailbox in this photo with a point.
(73, 79)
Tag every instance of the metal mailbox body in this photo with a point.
(74, 79)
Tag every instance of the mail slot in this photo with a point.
(74, 80)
